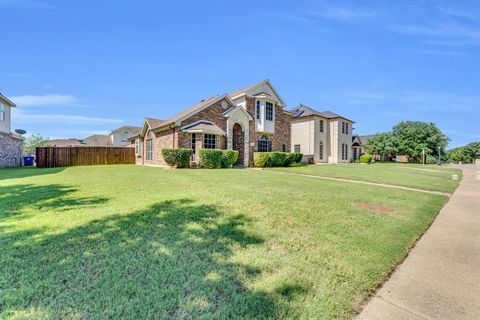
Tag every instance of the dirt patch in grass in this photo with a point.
(374, 207)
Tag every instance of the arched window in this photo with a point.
(264, 144)
(320, 151)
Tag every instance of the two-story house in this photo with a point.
(247, 120)
(322, 137)
(11, 144)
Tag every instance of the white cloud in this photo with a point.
(46, 100)
(62, 119)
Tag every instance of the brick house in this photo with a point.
(247, 120)
(11, 144)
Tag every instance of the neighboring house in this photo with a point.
(247, 120)
(322, 137)
(358, 145)
(65, 142)
(11, 144)
(117, 138)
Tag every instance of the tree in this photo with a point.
(33, 141)
(382, 144)
(414, 137)
(465, 154)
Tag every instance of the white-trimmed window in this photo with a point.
(321, 125)
(268, 111)
(149, 154)
(264, 144)
(138, 147)
(296, 148)
(2, 112)
(346, 127)
(320, 151)
(258, 110)
(209, 141)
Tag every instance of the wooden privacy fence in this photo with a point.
(50, 157)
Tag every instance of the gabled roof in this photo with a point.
(179, 117)
(236, 93)
(7, 101)
(98, 140)
(240, 108)
(133, 129)
(153, 123)
(203, 126)
(65, 142)
(304, 111)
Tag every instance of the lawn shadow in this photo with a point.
(15, 198)
(171, 260)
(23, 172)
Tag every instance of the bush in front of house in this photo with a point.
(179, 158)
(229, 157)
(366, 158)
(260, 159)
(210, 158)
(275, 159)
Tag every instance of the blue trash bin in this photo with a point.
(28, 161)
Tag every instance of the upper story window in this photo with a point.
(321, 125)
(149, 154)
(343, 127)
(209, 141)
(2, 112)
(258, 110)
(268, 111)
(125, 135)
(346, 127)
(264, 145)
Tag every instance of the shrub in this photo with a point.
(366, 158)
(210, 158)
(260, 159)
(298, 157)
(229, 157)
(276, 159)
(291, 157)
(179, 158)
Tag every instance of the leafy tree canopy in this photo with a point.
(412, 137)
(382, 144)
(465, 154)
(33, 141)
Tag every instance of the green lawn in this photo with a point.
(428, 177)
(137, 242)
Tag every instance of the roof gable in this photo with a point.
(7, 101)
(304, 111)
(264, 87)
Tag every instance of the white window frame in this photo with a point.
(264, 144)
(267, 105)
(3, 113)
(257, 110)
(138, 147)
(149, 151)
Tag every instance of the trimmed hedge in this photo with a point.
(210, 158)
(275, 159)
(229, 157)
(179, 158)
(260, 159)
(366, 158)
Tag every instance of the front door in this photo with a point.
(238, 142)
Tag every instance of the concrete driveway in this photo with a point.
(440, 278)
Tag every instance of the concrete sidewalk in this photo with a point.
(440, 278)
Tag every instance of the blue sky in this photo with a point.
(81, 67)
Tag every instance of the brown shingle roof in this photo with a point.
(186, 112)
(204, 126)
(98, 140)
(65, 142)
(154, 123)
(304, 111)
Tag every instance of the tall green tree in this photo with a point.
(33, 141)
(382, 144)
(465, 154)
(412, 137)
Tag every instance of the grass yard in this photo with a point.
(428, 177)
(137, 242)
